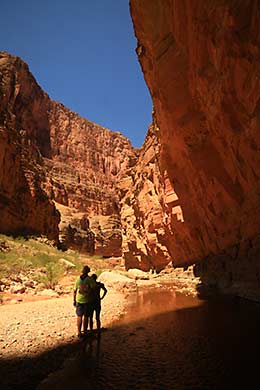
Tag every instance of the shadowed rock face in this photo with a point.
(194, 194)
(201, 63)
(49, 153)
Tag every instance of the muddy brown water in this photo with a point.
(170, 341)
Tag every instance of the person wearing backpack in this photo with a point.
(82, 299)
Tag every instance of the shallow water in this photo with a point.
(169, 341)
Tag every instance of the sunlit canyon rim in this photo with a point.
(191, 194)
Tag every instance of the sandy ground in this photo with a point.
(39, 323)
(37, 336)
(30, 328)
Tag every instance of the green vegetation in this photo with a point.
(23, 255)
(53, 272)
(43, 262)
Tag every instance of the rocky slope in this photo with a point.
(201, 63)
(49, 153)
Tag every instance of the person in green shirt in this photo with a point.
(82, 299)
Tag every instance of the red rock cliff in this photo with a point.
(145, 194)
(200, 60)
(86, 153)
(50, 153)
(24, 138)
(86, 162)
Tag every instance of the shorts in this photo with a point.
(84, 309)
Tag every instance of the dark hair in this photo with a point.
(94, 276)
(85, 269)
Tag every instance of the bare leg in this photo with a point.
(91, 322)
(98, 318)
(85, 324)
(79, 323)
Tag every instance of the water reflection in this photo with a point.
(151, 302)
(169, 341)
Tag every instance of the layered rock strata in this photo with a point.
(201, 63)
(86, 159)
(49, 153)
(86, 162)
(143, 198)
(24, 206)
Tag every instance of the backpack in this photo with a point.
(83, 288)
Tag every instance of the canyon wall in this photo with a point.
(86, 162)
(56, 166)
(147, 200)
(200, 60)
(25, 208)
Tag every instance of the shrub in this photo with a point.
(50, 278)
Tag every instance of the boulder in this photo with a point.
(135, 273)
(68, 265)
(17, 289)
(116, 281)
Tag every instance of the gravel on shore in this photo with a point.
(36, 337)
(32, 327)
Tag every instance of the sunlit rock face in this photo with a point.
(49, 153)
(86, 162)
(145, 195)
(24, 139)
(201, 63)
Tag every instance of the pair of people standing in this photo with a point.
(87, 300)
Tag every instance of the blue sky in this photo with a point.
(82, 53)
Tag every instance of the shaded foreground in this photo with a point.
(25, 372)
(36, 337)
(169, 342)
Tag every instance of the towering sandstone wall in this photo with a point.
(147, 201)
(86, 162)
(49, 153)
(200, 60)
(86, 153)
(24, 139)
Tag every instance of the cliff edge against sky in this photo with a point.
(201, 63)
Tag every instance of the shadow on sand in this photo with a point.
(182, 343)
